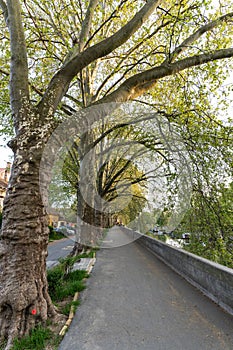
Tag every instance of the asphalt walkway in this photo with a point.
(134, 301)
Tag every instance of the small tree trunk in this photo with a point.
(24, 300)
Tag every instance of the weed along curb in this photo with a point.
(71, 316)
(72, 308)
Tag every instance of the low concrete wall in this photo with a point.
(214, 280)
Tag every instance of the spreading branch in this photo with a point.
(142, 82)
(196, 35)
(61, 80)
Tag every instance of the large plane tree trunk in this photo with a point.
(24, 298)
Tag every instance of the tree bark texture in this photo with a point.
(24, 300)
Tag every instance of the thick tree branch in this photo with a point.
(104, 23)
(19, 87)
(85, 76)
(181, 48)
(86, 25)
(65, 108)
(122, 59)
(142, 82)
(196, 35)
(60, 82)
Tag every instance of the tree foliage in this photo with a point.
(59, 57)
(209, 218)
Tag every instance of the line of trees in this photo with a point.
(60, 57)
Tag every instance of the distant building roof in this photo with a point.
(3, 184)
(5, 172)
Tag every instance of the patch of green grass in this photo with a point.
(87, 255)
(67, 289)
(62, 284)
(54, 277)
(38, 338)
(77, 275)
(66, 309)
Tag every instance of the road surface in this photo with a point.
(133, 301)
(58, 249)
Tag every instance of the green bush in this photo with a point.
(215, 251)
(53, 235)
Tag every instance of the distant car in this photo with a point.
(70, 232)
(61, 229)
(71, 229)
(64, 230)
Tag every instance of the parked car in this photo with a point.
(65, 230)
(71, 228)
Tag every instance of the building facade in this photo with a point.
(4, 178)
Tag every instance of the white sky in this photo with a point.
(5, 152)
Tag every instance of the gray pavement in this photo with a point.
(133, 301)
(58, 249)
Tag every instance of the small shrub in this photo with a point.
(53, 235)
(68, 263)
(162, 238)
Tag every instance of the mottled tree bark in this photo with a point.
(24, 300)
(24, 236)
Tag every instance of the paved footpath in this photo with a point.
(133, 301)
